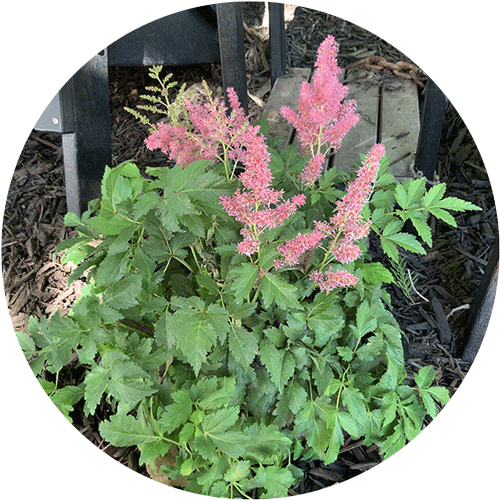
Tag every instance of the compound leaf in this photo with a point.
(246, 276)
(125, 430)
(275, 289)
(123, 294)
(280, 363)
(178, 412)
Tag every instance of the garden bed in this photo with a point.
(446, 279)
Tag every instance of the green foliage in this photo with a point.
(403, 277)
(239, 366)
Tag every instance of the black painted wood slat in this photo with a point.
(232, 50)
(277, 40)
(87, 150)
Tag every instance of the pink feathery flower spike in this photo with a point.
(322, 118)
(329, 280)
(347, 225)
(293, 249)
(252, 205)
(313, 169)
(349, 207)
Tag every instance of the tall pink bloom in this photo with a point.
(211, 133)
(347, 217)
(322, 118)
(347, 225)
(252, 206)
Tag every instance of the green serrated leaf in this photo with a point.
(365, 322)
(216, 426)
(195, 335)
(394, 442)
(401, 196)
(277, 481)
(423, 229)
(376, 272)
(392, 228)
(355, 403)
(348, 423)
(440, 394)
(425, 377)
(325, 318)
(152, 450)
(336, 437)
(346, 353)
(275, 289)
(217, 316)
(443, 215)
(96, 382)
(296, 396)
(123, 294)
(389, 248)
(27, 344)
(129, 384)
(457, 204)
(434, 194)
(237, 471)
(242, 345)
(407, 241)
(279, 363)
(246, 276)
(66, 397)
(72, 220)
(416, 190)
(146, 202)
(125, 430)
(177, 413)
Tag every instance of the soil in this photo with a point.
(444, 282)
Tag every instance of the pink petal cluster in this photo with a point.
(322, 118)
(312, 170)
(329, 280)
(178, 144)
(252, 205)
(358, 192)
(211, 127)
(347, 226)
(245, 207)
(293, 249)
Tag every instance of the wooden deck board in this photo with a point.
(400, 125)
(361, 138)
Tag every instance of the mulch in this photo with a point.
(443, 282)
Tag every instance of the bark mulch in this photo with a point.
(443, 283)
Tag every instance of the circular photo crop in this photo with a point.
(249, 250)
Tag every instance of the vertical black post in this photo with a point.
(430, 133)
(277, 40)
(87, 149)
(481, 308)
(232, 50)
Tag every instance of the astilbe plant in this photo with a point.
(231, 310)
